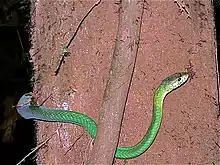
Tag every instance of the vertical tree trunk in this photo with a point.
(121, 71)
(174, 37)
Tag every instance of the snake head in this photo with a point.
(174, 81)
(23, 105)
(25, 99)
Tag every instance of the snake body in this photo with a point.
(29, 111)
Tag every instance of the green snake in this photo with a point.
(29, 111)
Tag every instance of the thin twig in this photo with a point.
(45, 99)
(65, 51)
(19, 37)
(217, 144)
(74, 143)
(182, 8)
(35, 149)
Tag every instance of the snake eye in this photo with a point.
(179, 79)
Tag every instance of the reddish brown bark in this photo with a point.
(116, 92)
(170, 42)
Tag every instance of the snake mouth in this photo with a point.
(28, 94)
(24, 100)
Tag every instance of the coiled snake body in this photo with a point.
(29, 111)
